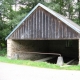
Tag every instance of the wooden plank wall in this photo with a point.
(41, 25)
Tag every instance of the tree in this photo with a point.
(78, 10)
(5, 9)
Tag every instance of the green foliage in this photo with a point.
(64, 7)
(78, 11)
(3, 51)
(14, 22)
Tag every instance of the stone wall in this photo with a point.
(9, 48)
(20, 48)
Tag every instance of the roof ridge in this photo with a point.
(59, 16)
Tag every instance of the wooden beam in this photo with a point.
(45, 59)
(69, 62)
(57, 54)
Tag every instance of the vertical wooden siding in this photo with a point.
(42, 25)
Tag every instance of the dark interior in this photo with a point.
(67, 48)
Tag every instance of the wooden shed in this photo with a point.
(44, 30)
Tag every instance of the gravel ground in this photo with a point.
(19, 72)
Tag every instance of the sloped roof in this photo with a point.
(68, 22)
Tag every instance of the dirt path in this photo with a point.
(18, 72)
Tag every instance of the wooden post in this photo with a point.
(79, 49)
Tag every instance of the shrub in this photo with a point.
(3, 52)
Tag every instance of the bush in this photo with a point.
(3, 52)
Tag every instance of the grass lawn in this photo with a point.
(3, 58)
(39, 64)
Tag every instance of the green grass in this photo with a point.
(3, 58)
(28, 63)
(39, 64)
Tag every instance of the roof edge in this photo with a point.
(23, 20)
(59, 16)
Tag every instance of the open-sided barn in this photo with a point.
(46, 31)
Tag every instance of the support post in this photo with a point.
(9, 48)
